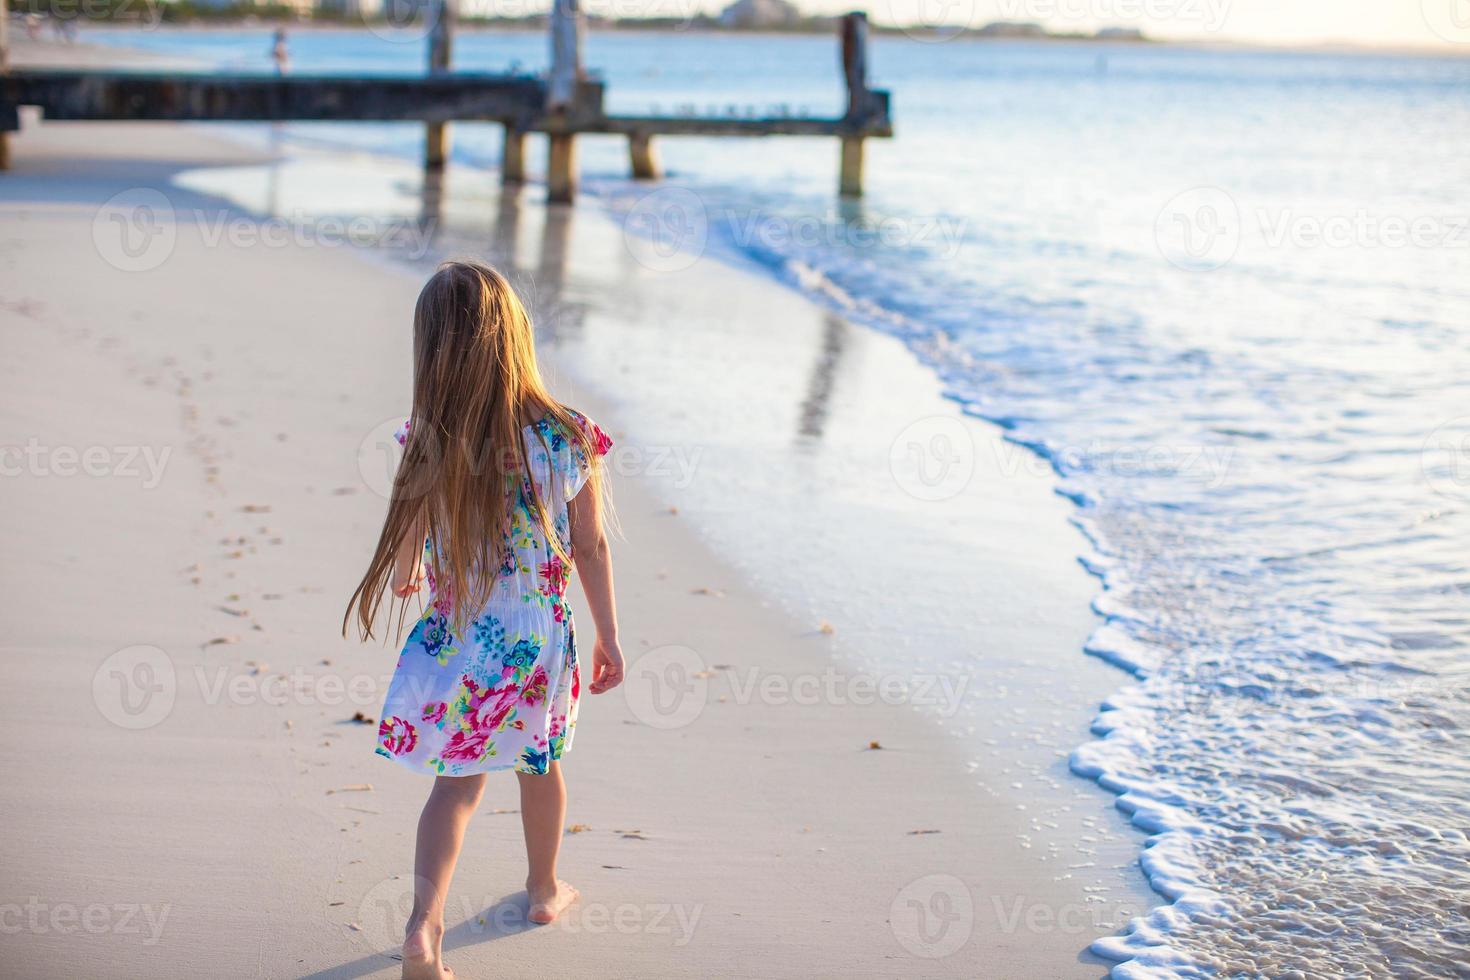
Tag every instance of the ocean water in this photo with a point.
(1225, 295)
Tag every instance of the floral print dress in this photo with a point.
(501, 693)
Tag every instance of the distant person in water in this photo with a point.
(280, 53)
(498, 491)
(65, 28)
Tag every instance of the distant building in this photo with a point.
(1009, 28)
(1120, 34)
(351, 9)
(760, 14)
(302, 8)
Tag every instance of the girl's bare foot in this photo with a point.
(422, 959)
(548, 901)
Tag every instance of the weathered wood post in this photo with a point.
(561, 94)
(642, 156)
(513, 156)
(855, 70)
(8, 113)
(441, 49)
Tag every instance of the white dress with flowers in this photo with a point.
(502, 693)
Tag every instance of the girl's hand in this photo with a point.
(607, 666)
(405, 585)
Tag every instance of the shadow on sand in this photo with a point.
(505, 917)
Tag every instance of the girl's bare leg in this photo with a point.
(441, 832)
(543, 812)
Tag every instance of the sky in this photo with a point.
(1378, 22)
(1443, 23)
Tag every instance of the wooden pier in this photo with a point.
(563, 104)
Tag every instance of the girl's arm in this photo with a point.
(408, 561)
(594, 567)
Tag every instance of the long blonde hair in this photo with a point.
(464, 467)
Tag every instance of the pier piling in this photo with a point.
(561, 167)
(642, 157)
(513, 155)
(859, 102)
(441, 47)
(562, 92)
(6, 110)
(850, 178)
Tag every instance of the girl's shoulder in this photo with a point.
(559, 437)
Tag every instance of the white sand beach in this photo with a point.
(192, 427)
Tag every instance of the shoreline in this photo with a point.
(577, 304)
(1325, 46)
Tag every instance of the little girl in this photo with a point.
(498, 489)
